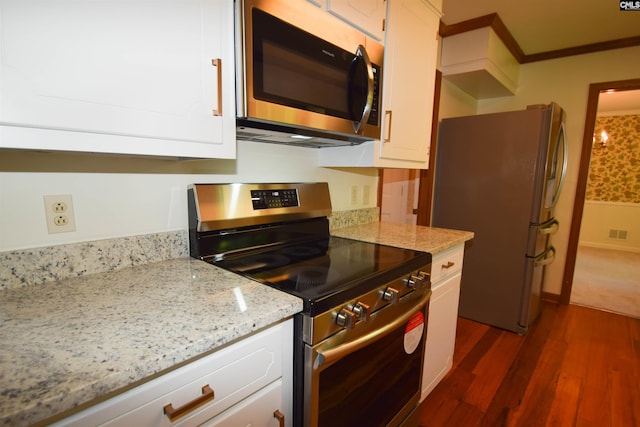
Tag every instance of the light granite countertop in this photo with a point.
(421, 238)
(73, 341)
(71, 336)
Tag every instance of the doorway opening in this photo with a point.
(583, 174)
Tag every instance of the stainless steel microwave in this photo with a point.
(305, 77)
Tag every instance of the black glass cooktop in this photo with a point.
(326, 272)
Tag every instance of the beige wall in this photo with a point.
(565, 81)
(611, 226)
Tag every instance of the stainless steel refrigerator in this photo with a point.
(500, 175)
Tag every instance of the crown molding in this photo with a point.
(493, 20)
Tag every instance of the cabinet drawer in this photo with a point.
(446, 263)
(233, 374)
(256, 411)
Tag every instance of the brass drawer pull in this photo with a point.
(217, 62)
(279, 416)
(172, 414)
(448, 264)
(387, 138)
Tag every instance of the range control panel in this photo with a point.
(269, 199)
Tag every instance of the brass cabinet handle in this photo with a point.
(279, 416)
(172, 414)
(387, 137)
(448, 264)
(217, 62)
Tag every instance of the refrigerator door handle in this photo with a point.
(563, 174)
(549, 227)
(546, 257)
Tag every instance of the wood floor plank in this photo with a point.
(468, 333)
(595, 404)
(575, 367)
(491, 369)
(625, 410)
(540, 393)
(513, 389)
(444, 401)
(564, 408)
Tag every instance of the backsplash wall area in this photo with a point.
(146, 196)
(40, 265)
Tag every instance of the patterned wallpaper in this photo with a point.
(614, 174)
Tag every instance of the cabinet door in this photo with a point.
(441, 334)
(123, 76)
(409, 79)
(366, 15)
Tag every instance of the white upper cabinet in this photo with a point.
(409, 68)
(366, 15)
(118, 76)
(410, 57)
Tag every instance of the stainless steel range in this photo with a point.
(359, 342)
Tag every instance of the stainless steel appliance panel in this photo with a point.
(370, 375)
(304, 77)
(491, 178)
(225, 205)
(359, 339)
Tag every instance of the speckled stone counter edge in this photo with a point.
(52, 263)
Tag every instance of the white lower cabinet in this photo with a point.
(446, 272)
(248, 382)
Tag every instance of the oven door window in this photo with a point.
(294, 68)
(373, 385)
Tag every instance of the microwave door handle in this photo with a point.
(361, 54)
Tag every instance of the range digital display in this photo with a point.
(269, 199)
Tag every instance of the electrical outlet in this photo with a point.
(59, 213)
(366, 194)
(355, 199)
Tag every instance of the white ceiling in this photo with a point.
(546, 25)
(626, 102)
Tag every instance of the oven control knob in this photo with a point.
(415, 281)
(391, 294)
(361, 310)
(346, 318)
(426, 277)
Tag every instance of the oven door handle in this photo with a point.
(332, 355)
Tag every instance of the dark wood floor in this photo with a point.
(575, 367)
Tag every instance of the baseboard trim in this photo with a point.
(547, 296)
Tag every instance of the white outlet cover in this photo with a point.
(59, 220)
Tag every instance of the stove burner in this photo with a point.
(308, 276)
(259, 262)
(303, 251)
